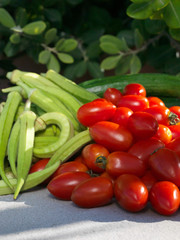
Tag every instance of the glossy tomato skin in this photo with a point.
(94, 192)
(72, 166)
(176, 110)
(149, 179)
(155, 101)
(119, 163)
(175, 130)
(134, 89)
(134, 102)
(112, 95)
(142, 125)
(174, 145)
(160, 113)
(97, 110)
(62, 185)
(165, 165)
(90, 154)
(165, 197)
(130, 192)
(121, 116)
(111, 135)
(164, 134)
(144, 148)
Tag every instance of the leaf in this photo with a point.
(81, 69)
(135, 64)
(94, 69)
(138, 38)
(159, 4)
(65, 58)
(59, 43)
(70, 71)
(15, 38)
(140, 10)
(172, 14)
(93, 50)
(110, 62)
(123, 65)
(53, 64)
(10, 49)
(67, 45)
(53, 15)
(118, 43)
(6, 19)
(175, 33)
(154, 26)
(109, 48)
(4, 2)
(44, 56)
(128, 35)
(21, 17)
(50, 35)
(92, 35)
(34, 28)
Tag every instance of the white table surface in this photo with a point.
(37, 215)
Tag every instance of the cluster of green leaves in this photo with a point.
(78, 36)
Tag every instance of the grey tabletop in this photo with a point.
(37, 215)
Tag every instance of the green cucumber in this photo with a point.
(156, 84)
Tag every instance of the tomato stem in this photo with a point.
(101, 161)
(173, 118)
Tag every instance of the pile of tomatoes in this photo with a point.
(134, 158)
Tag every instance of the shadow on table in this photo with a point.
(38, 210)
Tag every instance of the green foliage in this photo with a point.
(99, 37)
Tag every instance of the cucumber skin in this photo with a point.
(156, 84)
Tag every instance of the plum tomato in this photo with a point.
(121, 116)
(175, 130)
(119, 163)
(149, 179)
(174, 145)
(164, 197)
(155, 101)
(62, 185)
(93, 192)
(165, 165)
(144, 148)
(134, 102)
(130, 192)
(142, 125)
(71, 166)
(134, 89)
(112, 95)
(111, 135)
(176, 110)
(95, 111)
(91, 153)
(164, 134)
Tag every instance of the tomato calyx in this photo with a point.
(173, 118)
(101, 161)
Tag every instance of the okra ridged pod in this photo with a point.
(25, 148)
(79, 92)
(69, 148)
(66, 132)
(12, 148)
(33, 180)
(46, 103)
(6, 122)
(40, 142)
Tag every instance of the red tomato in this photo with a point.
(165, 197)
(175, 130)
(122, 162)
(174, 145)
(149, 179)
(62, 185)
(111, 135)
(95, 111)
(144, 148)
(112, 95)
(142, 125)
(79, 158)
(106, 174)
(134, 89)
(165, 165)
(176, 110)
(162, 115)
(72, 166)
(130, 192)
(94, 192)
(121, 116)
(90, 154)
(134, 102)
(155, 101)
(164, 134)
